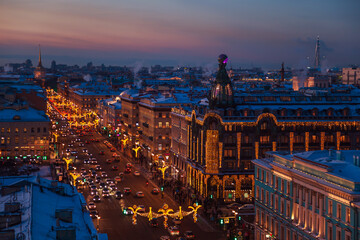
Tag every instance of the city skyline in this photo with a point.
(180, 32)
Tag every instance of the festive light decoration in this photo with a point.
(195, 209)
(136, 151)
(74, 177)
(134, 209)
(163, 169)
(165, 210)
(68, 161)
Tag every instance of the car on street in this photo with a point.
(189, 235)
(98, 168)
(155, 191)
(112, 186)
(139, 194)
(119, 195)
(94, 214)
(86, 161)
(93, 190)
(127, 190)
(114, 168)
(105, 192)
(104, 174)
(128, 211)
(102, 153)
(91, 205)
(117, 179)
(102, 185)
(246, 207)
(112, 149)
(142, 208)
(84, 150)
(128, 170)
(154, 222)
(128, 165)
(136, 173)
(96, 198)
(177, 221)
(108, 161)
(173, 230)
(97, 179)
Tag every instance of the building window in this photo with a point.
(330, 207)
(44, 130)
(160, 147)
(8, 140)
(282, 185)
(25, 130)
(2, 140)
(257, 192)
(288, 188)
(17, 140)
(8, 130)
(264, 139)
(330, 232)
(338, 211)
(276, 182)
(348, 215)
(16, 130)
(167, 124)
(338, 234)
(2, 130)
(267, 197)
(160, 115)
(32, 130)
(160, 124)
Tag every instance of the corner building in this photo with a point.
(309, 195)
(242, 125)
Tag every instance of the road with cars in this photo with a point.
(94, 159)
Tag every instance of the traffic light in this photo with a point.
(57, 122)
(221, 221)
(104, 128)
(124, 211)
(84, 180)
(211, 196)
(162, 188)
(239, 218)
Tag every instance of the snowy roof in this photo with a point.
(26, 115)
(40, 199)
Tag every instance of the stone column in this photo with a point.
(338, 135)
(306, 141)
(322, 140)
(256, 150)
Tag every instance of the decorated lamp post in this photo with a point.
(68, 161)
(165, 210)
(163, 169)
(74, 177)
(135, 209)
(136, 151)
(195, 209)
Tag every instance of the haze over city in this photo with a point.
(253, 33)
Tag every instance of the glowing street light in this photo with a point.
(136, 151)
(163, 169)
(135, 209)
(165, 210)
(68, 161)
(195, 209)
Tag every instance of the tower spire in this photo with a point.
(317, 63)
(40, 64)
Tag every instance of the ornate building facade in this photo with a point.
(223, 139)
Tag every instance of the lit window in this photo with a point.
(16, 130)
(25, 130)
(167, 124)
(160, 124)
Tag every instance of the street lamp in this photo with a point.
(165, 210)
(135, 209)
(195, 209)
(163, 169)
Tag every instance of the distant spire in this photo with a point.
(282, 72)
(40, 64)
(317, 63)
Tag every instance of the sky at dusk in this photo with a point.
(180, 32)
